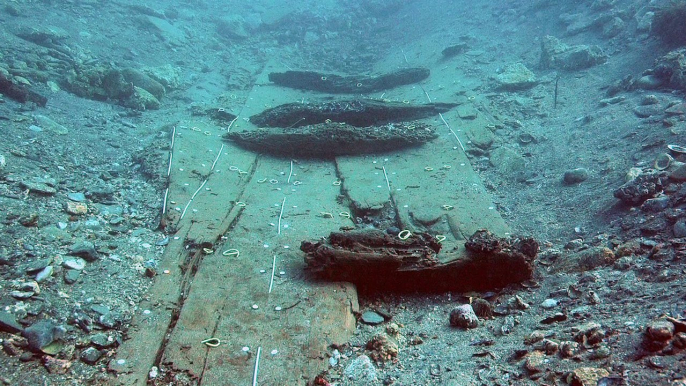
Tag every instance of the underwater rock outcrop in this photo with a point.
(376, 260)
(19, 92)
(669, 23)
(336, 84)
(127, 87)
(641, 188)
(356, 112)
(327, 140)
(558, 55)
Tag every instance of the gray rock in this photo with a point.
(641, 188)
(38, 265)
(76, 263)
(655, 204)
(92, 224)
(71, 275)
(77, 197)
(648, 82)
(39, 186)
(361, 371)
(464, 317)
(372, 318)
(42, 333)
(8, 323)
(680, 228)
(557, 55)
(90, 355)
(516, 77)
(614, 27)
(678, 174)
(84, 249)
(108, 321)
(103, 340)
(648, 111)
(575, 176)
(44, 274)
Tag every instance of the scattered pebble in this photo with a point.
(464, 317)
(372, 318)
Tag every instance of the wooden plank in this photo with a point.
(225, 288)
(433, 188)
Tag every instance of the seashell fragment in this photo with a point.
(662, 161)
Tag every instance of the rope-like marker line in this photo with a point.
(171, 155)
(257, 366)
(164, 203)
(271, 282)
(192, 197)
(217, 159)
(281, 215)
(452, 131)
(444, 121)
(291, 173)
(228, 129)
(388, 184)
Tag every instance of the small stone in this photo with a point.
(383, 348)
(42, 333)
(44, 274)
(84, 249)
(647, 111)
(569, 349)
(678, 174)
(464, 317)
(602, 352)
(74, 263)
(586, 260)
(76, 197)
(101, 340)
(516, 77)
(38, 187)
(71, 275)
(27, 356)
(38, 265)
(657, 204)
(56, 366)
(590, 333)
(76, 208)
(586, 376)
(107, 321)
(660, 330)
(535, 362)
(679, 228)
(649, 99)
(8, 323)
(90, 355)
(648, 82)
(549, 303)
(534, 337)
(361, 371)
(372, 318)
(575, 176)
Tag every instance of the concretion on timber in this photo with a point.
(378, 261)
(326, 140)
(336, 84)
(355, 112)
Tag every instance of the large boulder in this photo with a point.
(558, 55)
(515, 77)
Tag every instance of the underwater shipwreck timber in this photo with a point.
(345, 127)
(238, 301)
(377, 261)
(337, 84)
